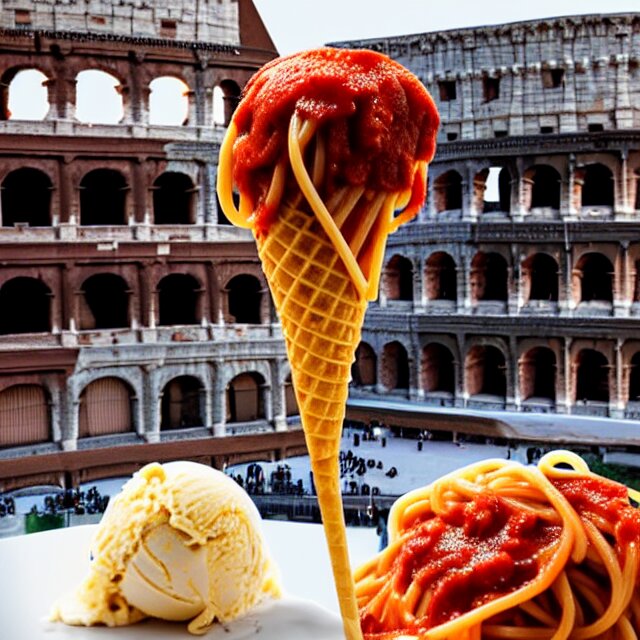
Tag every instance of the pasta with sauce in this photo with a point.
(502, 550)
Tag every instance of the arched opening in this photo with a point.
(25, 306)
(105, 408)
(542, 271)
(102, 198)
(98, 98)
(178, 297)
(595, 273)
(173, 199)
(592, 376)
(245, 299)
(634, 378)
(24, 415)
(244, 398)
(394, 370)
(107, 299)
(398, 279)
(182, 404)
(290, 400)
(26, 198)
(26, 96)
(485, 371)
(447, 191)
(225, 100)
(440, 277)
(545, 186)
(364, 370)
(597, 189)
(168, 102)
(538, 374)
(437, 369)
(488, 277)
(493, 189)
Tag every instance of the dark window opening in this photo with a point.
(22, 18)
(440, 277)
(488, 277)
(500, 133)
(364, 370)
(451, 136)
(490, 89)
(107, 297)
(245, 299)
(543, 274)
(437, 369)
(634, 378)
(545, 130)
(172, 199)
(398, 279)
(538, 374)
(26, 198)
(597, 190)
(178, 296)
(552, 78)
(395, 366)
(447, 190)
(102, 198)
(25, 306)
(447, 90)
(595, 127)
(181, 405)
(597, 278)
(545, 188)
(486, 371)
(168, 28)
(244, 398)
(592, 377)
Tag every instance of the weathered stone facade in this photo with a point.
(130, 310)
(518, 285)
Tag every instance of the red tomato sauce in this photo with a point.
(376, 116)
(486, 548)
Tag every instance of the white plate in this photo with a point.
(36, 569)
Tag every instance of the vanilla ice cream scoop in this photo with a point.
(182, 541)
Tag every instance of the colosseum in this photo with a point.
(518, 286)
(131, 312)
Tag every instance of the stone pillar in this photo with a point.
(467, 127)
(464, 303)
(70, 420)
(278, 392)
(565, 398)
(622, 282)
(622, 204)
(568, 208)
(513, 282)
(219, 402)
(618, 397)
(139, 191)
(513, 384)
(469, 210)
(566, 303)
(418, 285)
(520, 209)
(622, 96)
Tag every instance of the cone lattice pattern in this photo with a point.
(321, 314)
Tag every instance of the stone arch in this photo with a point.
(99, 97)
(103, 194)
(226, 96)
(398, 278)
(488, 277)
(593, 278)
(168, 101)
(245, 299)
(592, 376)
(437, 369)
(541, 275)
(394, 366)
(447, 191)
(106, 298)
(179, 300)
(537, 372)
(485, 370)
(440, 278)
(597, 186)
(364, 371)
(542, 187)
(492, 190)
(183, 403)
(106, 407)
(25, 416)
(26, 198)
(25, 306)
(24, 93)
(245, 399)
(173, 199)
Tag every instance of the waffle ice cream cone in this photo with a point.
(325, 147)
(321, 313)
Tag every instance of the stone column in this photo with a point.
(622, 204)
(566, 304)
(418, 285)
(618, 398)
(623, 109)
(219, 401)
(565, 402)
(464, 303)
(139, 191)
(622, 282)
(278, 393)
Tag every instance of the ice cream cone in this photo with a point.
(321, 314)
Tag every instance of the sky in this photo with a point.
(295, 25)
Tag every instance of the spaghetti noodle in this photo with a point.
(502, 550)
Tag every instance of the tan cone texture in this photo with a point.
(321, 315)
